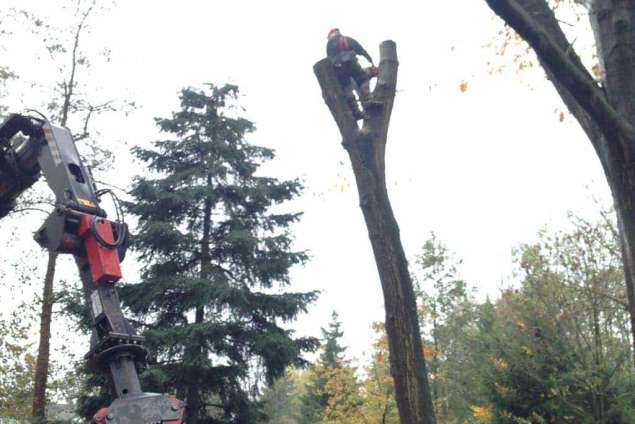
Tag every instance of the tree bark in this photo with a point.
(196, 407)
(42, 361)
(366, 149)
(605, 112)
(195, 402)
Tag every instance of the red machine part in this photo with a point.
(176, 404)
(104, 415)
(100, 416)
(103, 260)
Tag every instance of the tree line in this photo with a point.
(554, 346)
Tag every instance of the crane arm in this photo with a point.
(79, 226)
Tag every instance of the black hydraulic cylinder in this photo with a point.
(115, 347)
(19, 167)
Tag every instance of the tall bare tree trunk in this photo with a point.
(604, 109)
(41, 370)
(366, 149)
(42, 362)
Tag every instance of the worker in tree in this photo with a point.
(342, 51)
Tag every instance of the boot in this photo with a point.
(365, 97)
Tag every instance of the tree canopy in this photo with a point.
(216, 246)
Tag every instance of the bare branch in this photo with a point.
(29, 209)
(68, 95)
(577, 80)
(105, 184)
(384, 92)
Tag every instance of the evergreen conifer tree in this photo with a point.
(216, 252)
(331, 366)
(332, 354)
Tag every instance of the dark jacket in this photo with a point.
(341, 49)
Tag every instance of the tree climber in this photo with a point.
(342, 52)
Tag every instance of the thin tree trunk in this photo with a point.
(69, 86)
(627, 241)
(435, 363)
(42, 362)
(366, 149)
(196, 408)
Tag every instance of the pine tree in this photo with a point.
(332, 393)
(332, 355)
(281, 401)
(216, 252)
(446, 315)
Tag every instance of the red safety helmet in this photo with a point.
(333, 32)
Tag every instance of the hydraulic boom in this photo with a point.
(79, 226)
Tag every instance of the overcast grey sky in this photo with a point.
(484, 169)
